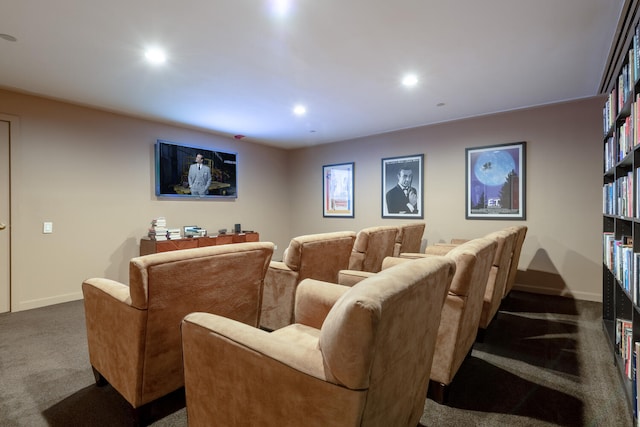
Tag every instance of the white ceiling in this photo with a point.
(238, 67)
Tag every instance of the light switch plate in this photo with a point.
(47, 227)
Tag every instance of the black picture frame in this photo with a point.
(495, 182)
(337, 190)
(396, 202)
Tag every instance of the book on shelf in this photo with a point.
(636, 278)
(637, 213)
(619, 257)
(624, 345)
(607, 245)
(634, 378)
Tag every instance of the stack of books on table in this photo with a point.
(173, 234)
(158, 230)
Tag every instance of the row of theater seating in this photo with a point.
(359, 354)
(486, 269)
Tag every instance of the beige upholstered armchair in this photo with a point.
(372, 245)
(315, 256)
(133, 331)
(462, 309)
(409, 238)
(356, 356)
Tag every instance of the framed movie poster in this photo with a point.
(337, 190)
(495, 182)
(402, 179)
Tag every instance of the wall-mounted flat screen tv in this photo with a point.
(195, 172)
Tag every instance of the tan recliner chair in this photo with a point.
(315, 256)
(357, 356)
(409, 238)
(133, 331)
(372, 245)
(462, 309)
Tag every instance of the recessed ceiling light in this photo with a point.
(410, 80)
(299, 110)
(280, 8)
(8, 37)
(155, 56)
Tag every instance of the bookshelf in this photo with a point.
(621, 200)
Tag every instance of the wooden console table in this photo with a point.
(150, 246)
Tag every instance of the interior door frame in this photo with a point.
(14, 126)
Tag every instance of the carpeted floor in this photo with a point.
(545, 361)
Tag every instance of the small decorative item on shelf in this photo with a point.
(191, 230)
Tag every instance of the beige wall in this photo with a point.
(562, 252)
(91, 173)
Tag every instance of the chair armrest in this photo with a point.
(351, 277)
(314, 300)
(115, 335)
(278, 296)
(235, 342)
(411, 255)
(356, 260)
(459, 241)
(279, 265)
(439, 249)
(391, 261)
(112, 288)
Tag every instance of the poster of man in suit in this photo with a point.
(402, 187)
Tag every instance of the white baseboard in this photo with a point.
(586, 296)
(43, 302)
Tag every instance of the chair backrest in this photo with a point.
(473, 262)
(498, 274)
(409, 238)
(320, 256)
(463, 307)
(225, 280)
(380, 337)
(371, 246)
(515, 258)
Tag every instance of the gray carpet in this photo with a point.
(544, 362)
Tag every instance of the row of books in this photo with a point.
(610, 154)
(620, 94)
(627, 133)
(628, 137)
(617, 196)
(623, 262)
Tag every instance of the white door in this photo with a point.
(5, 292)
